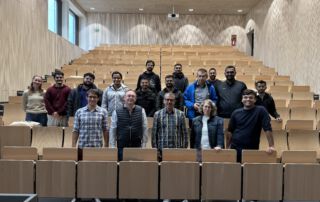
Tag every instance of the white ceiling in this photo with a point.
(165, 6)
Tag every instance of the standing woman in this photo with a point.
(208, 128)
(33, 102)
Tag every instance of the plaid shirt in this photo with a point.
(90, 126)
(169, 130)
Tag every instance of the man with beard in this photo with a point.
(78, 96)
(170, 87)
(55, 101)
(229, 93)
(146, 98)
(112, 98)
(245, 126)
(180, 81)
(213, 76)
(154, 79)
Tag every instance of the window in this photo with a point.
(72, 27)
(53, 16)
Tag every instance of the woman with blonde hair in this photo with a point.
(208, 128)
(33, 102)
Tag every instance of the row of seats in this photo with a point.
(178, 176)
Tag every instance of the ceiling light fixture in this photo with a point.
(191, 9)
(240, 11)
(92, 8)
(140, 9)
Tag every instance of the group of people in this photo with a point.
(207, 102)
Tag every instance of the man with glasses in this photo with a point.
(78, 96)
(229, 93)
(195, 94)
(169, 127)
(154, 79)
(90, 123)
(56, 101)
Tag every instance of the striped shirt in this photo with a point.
(169, 130)
(90, 126)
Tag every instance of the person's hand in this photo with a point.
(279, 119)
(217, 148)
(56, 115)
(270, 150)
(196, 106)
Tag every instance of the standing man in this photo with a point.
(153, 78)
(55, 101)
(112, 98)
(229, 93)
(78, 96)
(180, 81)
(266, 100)
(169, 128)
(245, 126)
(90, 123)
(170, 88)
(213, 76)
(195, 94)
(128, 125)
(146, 98)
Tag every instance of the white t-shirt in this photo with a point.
(205, 137)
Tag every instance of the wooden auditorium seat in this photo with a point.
(300, 125)
(19, 153)
(15, 99)
(13, 112)
(218, 167)
(262, 176)
(14, 136)
(295, 88)
(179, 174)
(138, 164)
(300, 103)
(303, 140)
(302, 96)
(303, 113)
(301, 176)
(281, 95)
(46, 137)
(97, 173)
(56, 173)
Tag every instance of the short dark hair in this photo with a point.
(212, 68)
(116, 72)
(150, 61)
(249, 92)
(89, 74)
(57, 72)
(261, 81)
(178, 64)
(93, 91)
(168, 76)
(229, 67)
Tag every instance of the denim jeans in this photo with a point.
(40, 118)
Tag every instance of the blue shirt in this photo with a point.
(90, 126)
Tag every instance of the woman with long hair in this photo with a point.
(33, 102)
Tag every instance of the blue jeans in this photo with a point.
(40, 118)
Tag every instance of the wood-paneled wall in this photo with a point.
(27, 47)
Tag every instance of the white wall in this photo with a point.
(287, 38)
(156, 29)
(27, 47)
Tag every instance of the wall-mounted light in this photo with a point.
(92, 8)
(191, 9)
(140, 9)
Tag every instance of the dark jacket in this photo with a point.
(147, 100)
(74, 99)
(129, 133)
(268, 103)
(180, 82)
(215, 131)
(155, 83)
(178, 102)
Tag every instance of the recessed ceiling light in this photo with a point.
(140, 9)
(240, 11)
(92, 8)
(191, 9)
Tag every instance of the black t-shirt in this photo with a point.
(245, 126)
